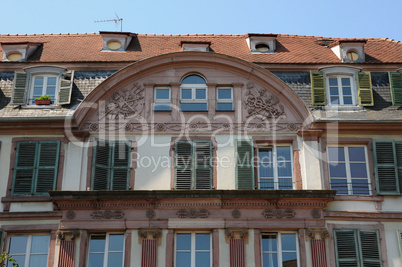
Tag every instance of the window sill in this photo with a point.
(343, 108)
(225, 110)
(358, 198)
(162, 110)
(194, 110)
(40, 107)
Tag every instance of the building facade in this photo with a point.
(200, 150)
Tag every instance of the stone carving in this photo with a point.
(107, 214)
(150, 214)
(291, 127)
(232, 232)
(192, 213)
(94, 127)
(315, 213)
(125, 103)
(193, 127)
(317, 233)
(260, 105)
(144, 233)
(236, 214)
(70, 215)
(62, 235)
(278, 214)
(128, 127)
(160, 127)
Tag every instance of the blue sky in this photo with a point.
(342, 18)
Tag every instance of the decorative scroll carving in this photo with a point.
(292, 127)
(260, 105)
(150, 214)
(317, 233)
(236, 214)
(278, 214)
(107, 214)
(70, 215)
(192, 213)
(316, 213)
(69, 235)
(125, 103)
(145, 233)
(160, 127)
(233, 233)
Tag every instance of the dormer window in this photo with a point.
(262, 48)
(14, 56)
(116, 41)
(195, 46)
(261, 43)
(193, 94)
(16, 52)
(349, 50)
(114, 45)
(352, 55)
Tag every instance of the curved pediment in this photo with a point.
(253, 98)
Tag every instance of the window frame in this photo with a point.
(28, 253)
(219, 101)
(193, 88)
(162, 101)
(347, 168)
(106, 248)
(279, 251)
(353, 88)
(45, 76)
(192, 248)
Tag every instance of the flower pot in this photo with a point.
(43, 102)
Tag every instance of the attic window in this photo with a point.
(352, 55)
(262, 48)
(195, 46)
(14, 56)
(261, 43)
(347, 50)
(113, 45)
(116, 41)
(15, 51)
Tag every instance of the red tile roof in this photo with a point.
(289, 48)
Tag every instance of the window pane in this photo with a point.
(38, 261)
(51, 81)
(186, 94)
(95, 260)
(202, 241)
(270, 260)
(333, 82)
(345, 81)
(284, 169)
(162, 93)
(356, 154)
(288, 241)
(347, 100)
(358, 170)
(285, 183)
(266, 170)
(183, 259)
(333, 91)
(193, 106)
(337, 170)
(183, 242)
(51, 91)
(224, 106)
(347, 91)
(161, 107)
(200, 94)
(269, 243)
(19, 259)
(335, 100)
(224, 93)
(38, 81)
(116, 242)
(283, 153)
(340, 185)
(37, 91)
(289, 259)
(193, 79)
(336, 154)
(267, 184)
(115, 259)
(265, 155)
(202, 259)
(18, 244)
(97, 243)
(40, 244)
(360, 187)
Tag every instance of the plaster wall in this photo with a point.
(311, 170)
(73, 167)
(31, 206)
(4, 165)
(226, 162)
(224, 251)
(391, 237)
(249, 249)
(136, 249)
(392, 203)
(352, 206)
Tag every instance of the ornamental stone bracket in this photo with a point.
(68, 235)
(317, 233)
(107, 214)
(236, 233)
(150, 234)
(193, 213)
(278, 214)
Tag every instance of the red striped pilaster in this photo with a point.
(67, 251)
(318, 252)
(237, 257)
(149, 250)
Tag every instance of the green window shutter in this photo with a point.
(203, 164)
(183, 165)
(398, 152)
(395, 82)
(370, 248)
(65, 88)
(24, 169)
(1, 239)
(20, 87)
(318, 91)
(101, 163)
(386, 168)
(244, 165)
(121, 166)
(364, 89)
(346, 248)
(47, 165)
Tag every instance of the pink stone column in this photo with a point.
(318, 248)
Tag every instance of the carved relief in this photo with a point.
(124, 103)
(107, 214)
(317, 233)
(278, 214)
(236, 214)
(260, 105)
(233, 233)
(68, 235)
(70, 215)
(150, 214)
(315, 213)
(154, 233)
(192, 213)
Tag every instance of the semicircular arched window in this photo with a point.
(193, 93)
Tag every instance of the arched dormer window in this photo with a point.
(193, 93)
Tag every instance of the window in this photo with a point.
(224, 99)
(111, 165)
(341, 86)
(193, 250)
(193, 94)
(106, 250)
(279, 250)
(193, 165)
(388, 166)
(29, 250)
(275, 167)
(357, 247)
(43, 85)
(162, 99)
(35, 169)
(348, 170)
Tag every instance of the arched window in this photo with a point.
(193, 93)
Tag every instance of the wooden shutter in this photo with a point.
(20, 87)
(395, 82)
(183, 165)
(101, 163)
(370, 248)
(65, 88)
(24, 170)
(318, 91)
(121, 166)
(346, 248)
(398, 153)
(364, 89)
(244, 165)
(203, 164)
(1, 239)
(47, 165)
(386, 168)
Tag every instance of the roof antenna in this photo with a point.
(116, 20)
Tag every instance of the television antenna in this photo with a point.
(116, 20)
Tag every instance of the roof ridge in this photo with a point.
(48, 34)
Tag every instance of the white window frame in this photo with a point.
(279, 247)
(106, 249)
(192, 249)
(274, 164)
(28, 253)
(193, 88)
(348, 173)
(45, 77)
(224, 100)
(162, 101)
(353, 89)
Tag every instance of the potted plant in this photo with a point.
(43, 100)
